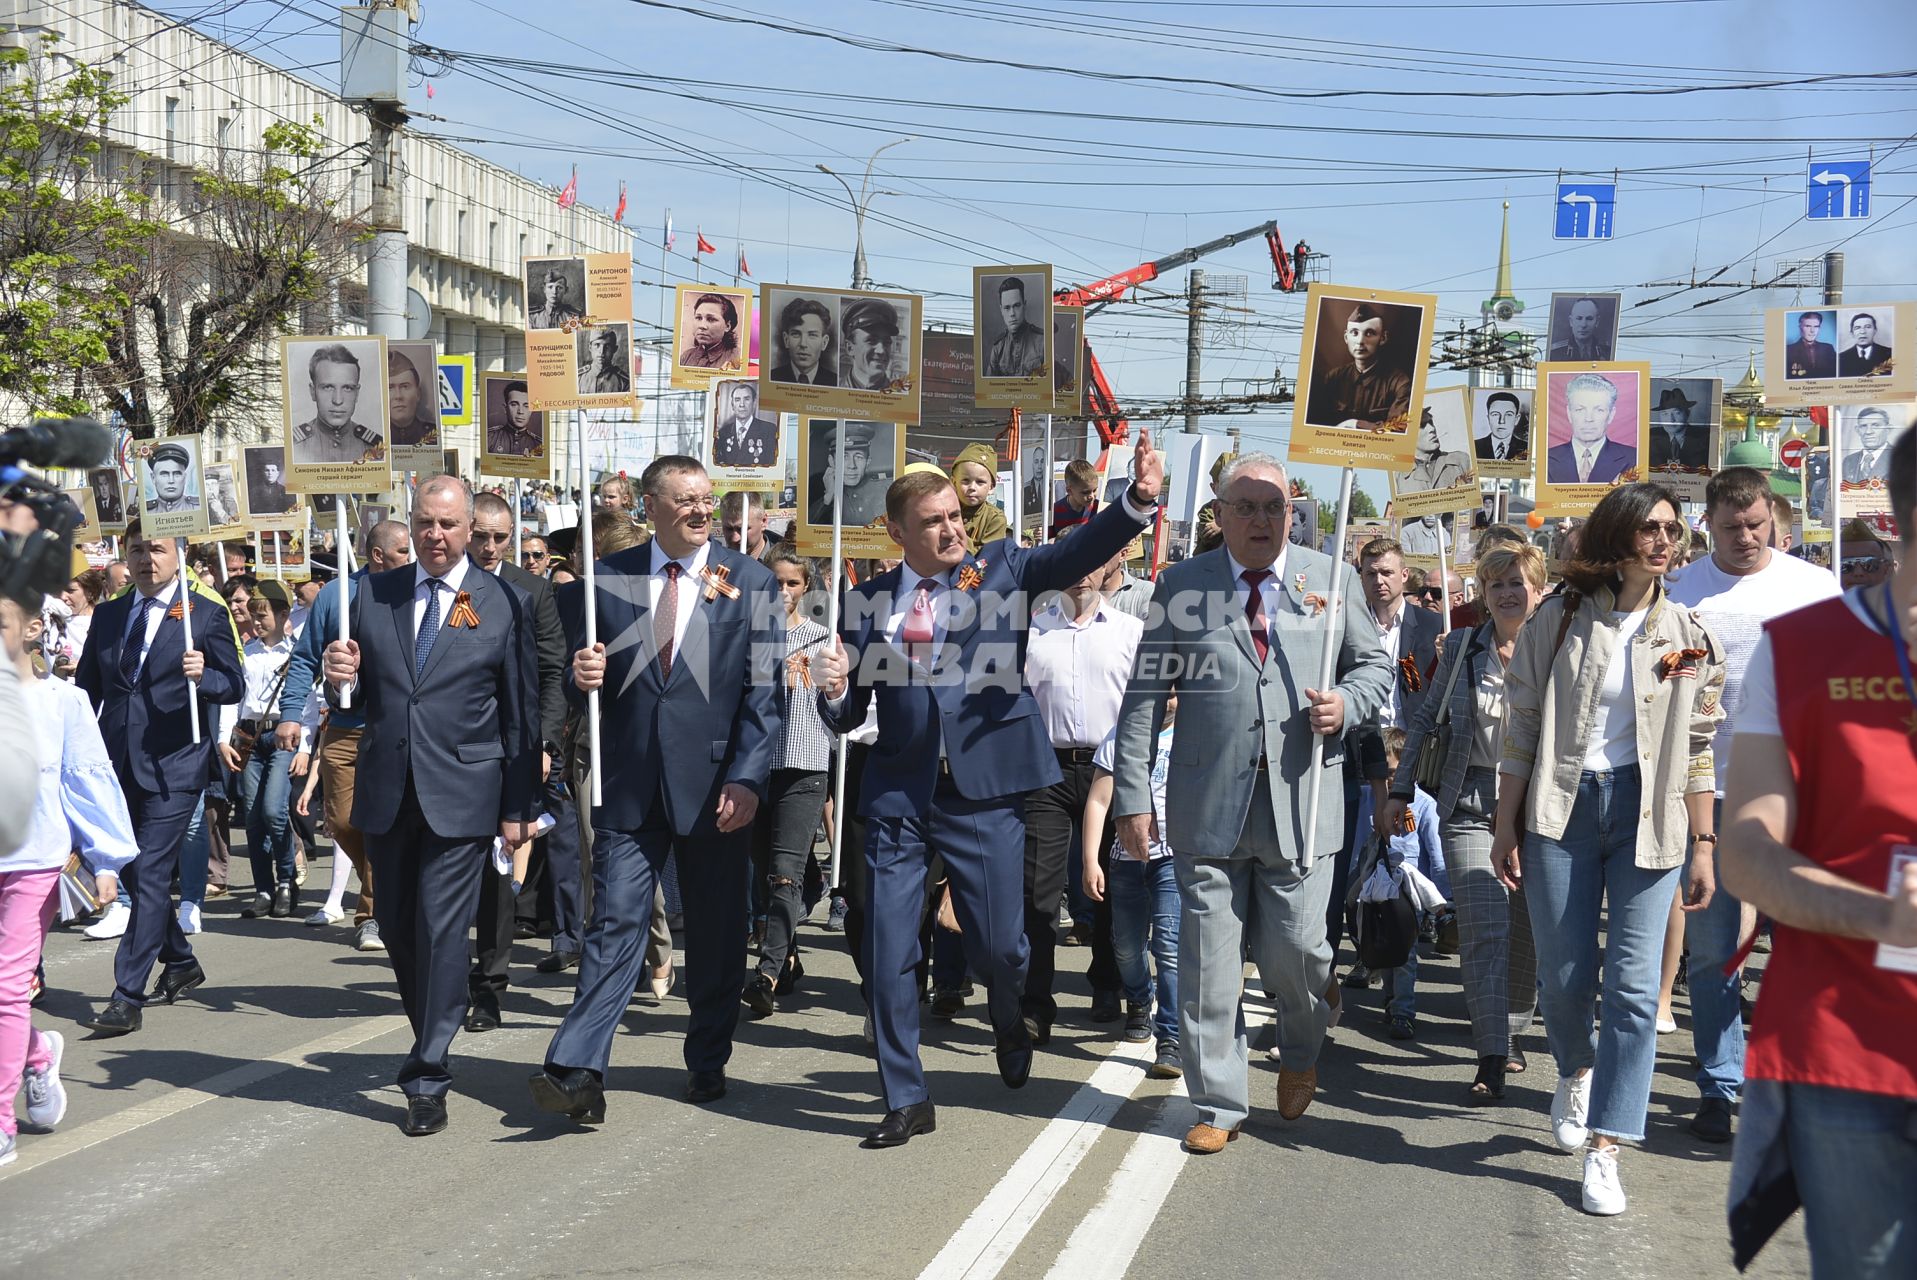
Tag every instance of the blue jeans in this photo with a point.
(1400, 986)
(195, 857)
(1717, 1016)
(264, 791)
(1855, 1160)
(1145, 909)
(1566, 883)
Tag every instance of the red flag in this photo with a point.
(619, 214)
(429, 88)
(704, 246)
(744, 270)
(570, 195)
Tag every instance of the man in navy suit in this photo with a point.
(1590, 456)
(939, 642)
(690, 664)
(139, 673)
(442, 666)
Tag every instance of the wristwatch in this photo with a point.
(1137, 500)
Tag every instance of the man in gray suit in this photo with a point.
(1238, 637)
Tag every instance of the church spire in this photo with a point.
(1502, 304)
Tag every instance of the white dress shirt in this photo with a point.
(260, 666)
(1270, 588)
(154, 617)
(1078, 670)
(454, 578)
(1391, 634)
(690, 568)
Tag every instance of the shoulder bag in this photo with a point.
(1436, 747)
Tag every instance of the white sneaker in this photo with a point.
(1603, 1193)
(1569, 1108)
(7, 1153)
(367, 938)
(325, 915)
(46, 1096)
(110, 925)
(1666, 1025)
(189, 917)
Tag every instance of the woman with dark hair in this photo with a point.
(1612, 699)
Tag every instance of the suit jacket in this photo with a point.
(147, 728)
(1855, 472)
(1233, 710)
(753, 451)
(1561, 464)
(549, 651)
(1513, 451)
(1810, 360)
(465, 730)
(1695, 453)
(1852, 365)
(713, 721)
(976, 705)
(1417, 642)
(826, 375)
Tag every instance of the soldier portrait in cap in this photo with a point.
(742, 436)
(108, 502)
(412, 393)
(222, 496)
(336, 413)
(514, 429)
(871, 451)
(172, 478)
(604, 360)
(266, 493)
(1443, 473)
(555, 292)
(872, 354)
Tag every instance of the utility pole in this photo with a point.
(1833, 432)
(1194, 343)
(386, 265)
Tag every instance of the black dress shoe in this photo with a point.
(424, 1115)
(1015, 1060)
(558, 962)
(523, 930)
(789, 976)
(1105, 1006)
(758, 995)
(176, 980)
(283, 896)
(901, 1126)
(483, 1013)
(576, 1093)
(118, 1018)
(706, 1086)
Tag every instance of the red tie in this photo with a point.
(917, 632)
(1255, 612)
(665, 622)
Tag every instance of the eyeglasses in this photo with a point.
(533, 555)
(1862, 564)
(706, 503)
(1674, 531)
(1245, 510)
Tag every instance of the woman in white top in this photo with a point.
(256, 756)
(1611, 702)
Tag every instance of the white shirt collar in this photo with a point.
(1396, 622)
(691, 564)
(909, 578)
(454, 578)
(1277, 569)
(163, 596)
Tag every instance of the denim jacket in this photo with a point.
(1550, 712)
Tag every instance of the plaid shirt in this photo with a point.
(806, 743)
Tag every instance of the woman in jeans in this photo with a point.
(794, 796)
(264, 789)
(1611, 703)
(1496, 959)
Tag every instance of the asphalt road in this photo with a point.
(252, 1131)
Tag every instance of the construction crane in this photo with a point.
(1289, 269)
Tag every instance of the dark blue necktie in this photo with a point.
(136, 641)
(428, 627)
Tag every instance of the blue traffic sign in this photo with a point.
(1838, 189)
(1584, 211)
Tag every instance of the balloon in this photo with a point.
(1534, 521)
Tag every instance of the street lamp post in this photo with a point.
(860, 203)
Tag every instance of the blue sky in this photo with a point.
(1129, 130)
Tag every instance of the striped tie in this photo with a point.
(428, 627)
(135, 646)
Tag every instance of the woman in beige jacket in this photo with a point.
(1611, 702)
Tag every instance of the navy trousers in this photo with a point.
(983, 845)
(713, 881)
(428, 891)
(563, 879)
(153, 930)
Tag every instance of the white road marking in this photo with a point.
(44, 1151)
(1108, 1238)
(982, 1246)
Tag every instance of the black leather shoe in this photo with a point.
(1039, 1031)
(483, 1013)
(789, 977)
(1015, 1061)
(946, 1003)
(176, 980)
(1712, 1122)
(558, 962)
(424, 1115)
(901, 1126)
(758, 995)
(1105, 1006)
(706, 1086)
(283, 896)
(120, 1017)
(577, 1093)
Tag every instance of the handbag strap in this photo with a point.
(1450, 681)
(1572, 598)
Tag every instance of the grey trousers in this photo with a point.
(1253, 893)
(1496, 957)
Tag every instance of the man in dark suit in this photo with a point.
(140, 674)
(746, 438)
(1865, 357)
(1676, 441)
(690, 653)
(1809, 357)
(1509, 429)
(442, 666)
(805, 340)
(491, 547)
(939, 644)
(1590, 456)
(1870, 460)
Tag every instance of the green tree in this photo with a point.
(1362, 507)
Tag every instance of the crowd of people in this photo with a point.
(1591, 790)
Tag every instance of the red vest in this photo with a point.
(1827, 1015)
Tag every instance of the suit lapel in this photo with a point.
(402, 609)
(1240, 624)
(699, 626)
(478, 585)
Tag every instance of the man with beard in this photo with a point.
(805, 335)
(1366, 393)
(415, 416)
(871, 330)
(715, 334)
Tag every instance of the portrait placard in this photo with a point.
(565, 295)
(1420, 537)
(1356, 535)
(89, 527)
(1444, 473)
(1687, 434)
(1304, 523)
(224, 518)
(838, 353)
(413, 400)
(1012, 338)
(1361, 377)
(1865, 434)
(1584, 326)
(1068, 361)
(1501, 432)
(512, 432)
(1595, 432)
(268, 503)
(456, 391)
(334, 393)
(874, 454)
(109, 499)
(172, 489)
(1817, 487)
(1838, 355)
(744, 447)
(282, 555)
(711, 332)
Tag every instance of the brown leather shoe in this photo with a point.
(1295, 1089)
(1207, 1140)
